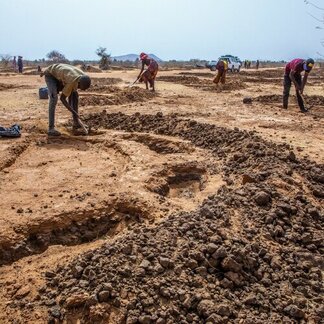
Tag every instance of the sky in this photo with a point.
(171, 29)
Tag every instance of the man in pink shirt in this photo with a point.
(293, 75)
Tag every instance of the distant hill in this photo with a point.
(133, 57)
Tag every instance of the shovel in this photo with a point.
(85, 128)
(303, 98)
(133, 83)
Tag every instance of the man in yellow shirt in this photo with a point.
(67, 79)
(221, 68)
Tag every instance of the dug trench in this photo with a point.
(36, 222)
(81, 227)
(252, 252)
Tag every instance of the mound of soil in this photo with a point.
(7, 86)
(116, 96)
(203, 84)
(4, 86)
(198, 74)
(183, 79)
(103, 85)
(310, 100)
(253, 251)
(90, 68)
(269, 99)
(315, 100)
(273, 73)
(31, 72)
(105, 81)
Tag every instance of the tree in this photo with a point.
(5, 59)
(105, 58)
(56, 57)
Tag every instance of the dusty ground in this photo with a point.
(184, 206)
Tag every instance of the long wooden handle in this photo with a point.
(83, 126)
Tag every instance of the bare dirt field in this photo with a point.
(181, 206)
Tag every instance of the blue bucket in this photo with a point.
(43, 93)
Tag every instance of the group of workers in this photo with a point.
(17, 64)
(292, 75)
(67, 79)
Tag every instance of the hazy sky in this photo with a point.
(171, 29)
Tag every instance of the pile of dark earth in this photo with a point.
(251, 253)
(203, 84)
(310, 100)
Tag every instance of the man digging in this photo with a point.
(67, 79)
(293, 72)
(221, 68)
(148, 76)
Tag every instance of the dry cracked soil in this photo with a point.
(181, 206)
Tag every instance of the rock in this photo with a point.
(206, 307)
(214, 319)
(83, 283)
(285, 207)
(247, 100)
(127, 249)
(201, 271)
(251, 299)
(145, 264)
(225, 283)
(230, 264)
(76, 300)
(22, 292)
(223, 310)
(145, 319)
(294, 311)
(165, 262)
(236, 278)
(292, 156)
(77, 271)
(220, 253)
(50, 302)
(103, 296)
(318, 192)
(246, 178)
(211, 248)
(50, 274)
(93, 300)
(55, 312)
(192, 264)
(262, 198)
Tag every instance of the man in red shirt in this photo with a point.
(293, 75)
(148, 76)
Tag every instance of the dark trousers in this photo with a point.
(221, 76)
(74, 103)
(54, 86)
(287, 86)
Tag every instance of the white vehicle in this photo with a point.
(234, 63)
